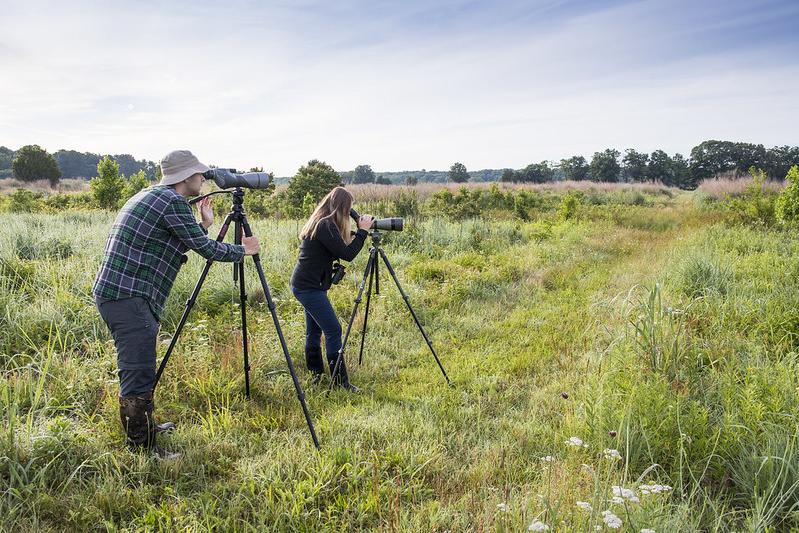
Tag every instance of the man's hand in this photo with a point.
(206, 212)
(251, 245)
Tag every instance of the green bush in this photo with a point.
(569, 206)
(787, 207)
(754, 206)
(108, 186)
(24, 201)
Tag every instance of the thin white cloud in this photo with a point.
(278, 85)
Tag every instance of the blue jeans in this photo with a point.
(320, 317)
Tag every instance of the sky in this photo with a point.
(396, 85)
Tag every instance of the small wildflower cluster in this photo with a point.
(654, 489)
(611, 520)
(620, 494)
(612, 454)
(576, 442)
(538, 525)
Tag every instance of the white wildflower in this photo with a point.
(645, 530)
(585, 506)
(627, 494)
(612, 454)
(547, 459)
(503, 507)
(611, 520)
(654, 489)
(538, 525)
(576, 442)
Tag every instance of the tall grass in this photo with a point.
(680, 393)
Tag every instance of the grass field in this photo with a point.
(639, 359)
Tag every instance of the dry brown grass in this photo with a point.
(727, 185)
(65, 185)
(371, 192)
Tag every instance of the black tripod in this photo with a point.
(371, 272)
(239, 220)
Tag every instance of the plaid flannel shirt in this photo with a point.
(145, 248)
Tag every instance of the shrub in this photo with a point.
(787, 205)
(24, 201)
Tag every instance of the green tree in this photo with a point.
(34, 163)
(787, 208)
(605, 166)
(108, 186)
(660, 168)
(134, 184)
(536, 173)
(635, 165)
(363, 174)
(508, 176)
(681, 173)
(411, 180)
(575, 168)
(458, 173)
(382, 181)
(6, 159)
(317, 178)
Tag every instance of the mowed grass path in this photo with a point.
(522, 315)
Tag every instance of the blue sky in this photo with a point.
(398, 85)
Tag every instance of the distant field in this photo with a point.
(641, 339)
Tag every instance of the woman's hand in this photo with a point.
(206, 212)
(365, 222)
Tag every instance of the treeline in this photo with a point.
(73, 164)
(706, 160)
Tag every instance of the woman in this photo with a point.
(325, 238)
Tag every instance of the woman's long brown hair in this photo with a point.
(335, 206)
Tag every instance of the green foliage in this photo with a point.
(134, 184)
(317, 178)
(108, 187)
(575, 168)
(411, 180)
(308, 204)
(535, 173)
(363, 174)
(754, 206)
(635, 165)
(24, 201)
(569, 206)
(34, 163)
(605, 166)
(787, 205)
(458, 173)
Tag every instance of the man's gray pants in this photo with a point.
(135, 332)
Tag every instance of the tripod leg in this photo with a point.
(190, 302)
(415, 318)
(377, 276)
(272, 309)
(243, 305)
(372, 274)
(340, 356)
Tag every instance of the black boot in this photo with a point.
(342, 379)
(136, 415)
(313, 360)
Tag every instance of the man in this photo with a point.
(140, 263)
